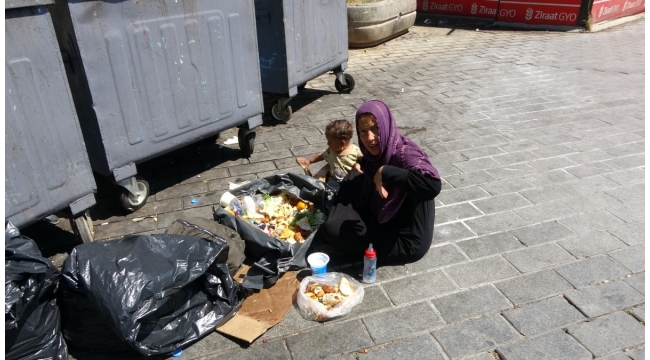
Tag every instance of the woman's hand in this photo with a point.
(357, 167)
(379, 186)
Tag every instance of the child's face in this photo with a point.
(336, 145)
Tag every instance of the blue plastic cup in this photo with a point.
(318, 262)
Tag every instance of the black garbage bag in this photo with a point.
(273, 257)
(32, 318)
(152, 293)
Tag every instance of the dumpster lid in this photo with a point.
(15, 4)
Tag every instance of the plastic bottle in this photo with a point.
(249, 206)
(370, 265)
(236, 207)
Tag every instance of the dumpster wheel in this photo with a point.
(349, 84)
(132, 202)
(246, 138)
(83, 226)
(281, 115)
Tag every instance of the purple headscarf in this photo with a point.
(396, 150)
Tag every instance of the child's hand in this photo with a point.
(303, 162)
(357, 167)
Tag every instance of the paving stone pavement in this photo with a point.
(538, 251)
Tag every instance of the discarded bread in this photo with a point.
(329, 295)
(345, 288)
(333, 303)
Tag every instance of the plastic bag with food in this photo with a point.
(328, 296)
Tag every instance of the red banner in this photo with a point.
(546, 12)
(612, 9)
(475, 8)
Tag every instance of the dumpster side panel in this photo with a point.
(46, 164)
(271, 35)
(300, 40)
(320, 38)
(164, 74)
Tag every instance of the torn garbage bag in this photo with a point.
(273, 256)
(152, 293)
(209, 229)
(32, 318)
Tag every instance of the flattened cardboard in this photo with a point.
(262, 310)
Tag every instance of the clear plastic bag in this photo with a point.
(314, 310)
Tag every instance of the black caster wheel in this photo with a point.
(246, 140)
(347, 87)
(83, 227)
(281, 115)
(133, 202)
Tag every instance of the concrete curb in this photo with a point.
(473, 22)
(522, 26)
(615, 22)
(469, 22)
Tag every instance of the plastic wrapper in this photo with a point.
(32, 318)
(151, 293)
(272, 256)
(313, 310)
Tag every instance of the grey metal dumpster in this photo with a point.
(149, 77)
(300, 40)
(46, 164)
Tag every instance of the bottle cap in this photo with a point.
(370, 252)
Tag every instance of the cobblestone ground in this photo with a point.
(539, 243)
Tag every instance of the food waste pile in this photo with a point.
(282, 216)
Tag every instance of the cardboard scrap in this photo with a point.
(263, 309)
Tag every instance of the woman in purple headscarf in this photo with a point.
(391, 204)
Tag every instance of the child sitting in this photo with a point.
(341, 154)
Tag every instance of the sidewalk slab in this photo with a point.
(417, 347)
(437, 257)
(470, 303)
(538, 257)
(602, 299)
(481, 271)
(489, 224)
(397, 323)
(551, 346)
(475, 335)
(632, 258)
(532, 287)
(593, 243)
(637, 281)
(328, 340)
(637, 353)
(591, 271)
(541, 233)
(490, 245)
(609, 333)
(542, 316)
(451, 232)
(418, 287)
